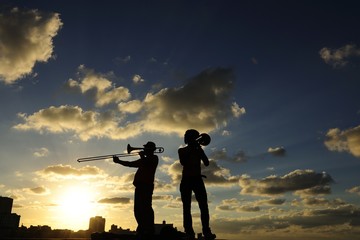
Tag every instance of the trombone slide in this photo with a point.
(129, 154)
(103, 157)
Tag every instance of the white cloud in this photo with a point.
(137, 79)
(225, 133)
(347, 140)
(99, 85)
(339, 57)
(133, 106)
(26, 37)
(41, 152)
(236, 110)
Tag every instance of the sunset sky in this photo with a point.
(276, 84)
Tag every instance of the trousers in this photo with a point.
(144, 213)
(196, 185)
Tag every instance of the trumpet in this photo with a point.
(129, 153)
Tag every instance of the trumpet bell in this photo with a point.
(204, 139)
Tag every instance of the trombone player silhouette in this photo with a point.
(144, 187)
(190, 158)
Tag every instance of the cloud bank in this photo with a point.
(339, 219)
(204, 103)
(303, 182)
(66, 171)
(26, 37)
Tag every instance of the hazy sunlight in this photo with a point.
(76, 206)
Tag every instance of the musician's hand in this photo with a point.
(142, 154)
(116, 159)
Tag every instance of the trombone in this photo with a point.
(128, 154)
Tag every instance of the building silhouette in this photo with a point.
(97, 224)
(9, 222)
(159, 226)
(119, 230)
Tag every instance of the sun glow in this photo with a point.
(76, 206)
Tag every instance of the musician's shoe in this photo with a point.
(209, 236)
(190, 236)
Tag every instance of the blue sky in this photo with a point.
(275, 84)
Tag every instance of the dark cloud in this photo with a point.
(247, 225)
(273, 201)
(217, 175)
(39, 190)
(277, 151)
(337, 220)
(162, 197)
(316, 190)
(304, 180)
(226, 208)
(235, 205)
(69, 171)
(345, 214)
(115, 200)
(239, 157)
(323, 202)
(248, 208)
(355, 190)
(203, 103)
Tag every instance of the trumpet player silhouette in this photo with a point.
(190, 158)
(144, 187)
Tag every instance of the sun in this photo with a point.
(76, 205)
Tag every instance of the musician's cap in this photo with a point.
(150, 145)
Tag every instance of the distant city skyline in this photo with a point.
(9, 226)
(96, 223)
